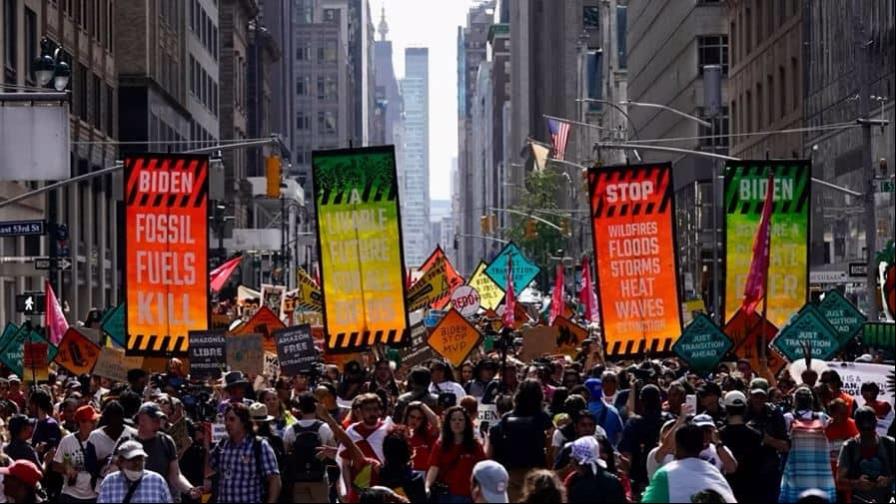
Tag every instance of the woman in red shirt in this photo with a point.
(840, 430)
(452, 460)
(423, 426)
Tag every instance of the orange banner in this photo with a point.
(166, 218)
(634, 247)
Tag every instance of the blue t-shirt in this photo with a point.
(608, 418)
(46, 431)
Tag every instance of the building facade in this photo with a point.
(86, 33)
(387, 94)
(202, 71)
(415, 162)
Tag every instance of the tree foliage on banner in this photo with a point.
(540, 193)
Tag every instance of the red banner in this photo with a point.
(166, 217)
(634, 247)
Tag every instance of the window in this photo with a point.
(732, 32)
(591, 16)
(748, 111)
(748, 32)
(712, 50)
(326, 122)
(303, 122)
(770, 88)
(327, 88)
(621, 30)
(30, 40)
(734, 117)
(303, 52)
(97, 102)
(759, 108)
(95, 28)
(110, 104)
(782, 91)
(720, 129)
(331, 15)
(795, 80)
(303, 85)
(109, 25)
(82, 91)
(327, 53)
(10, 23)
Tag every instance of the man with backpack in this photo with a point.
(245, 466)
(866, 465)
(302, 439)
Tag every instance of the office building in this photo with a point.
(415, 161)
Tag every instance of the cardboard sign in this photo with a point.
(570, 336)
(490, 293)
(809, 326)
(264, 322)
(272, 296)
(245, 353)
(745, 186)
(450, 274)
(113, 324)
(361, 253)
(35, 361)
(538, 341)
(166, 251)
(208, 353)
(633, 223)
(842, 315)
(295, 349)
(488, 413)
(454, 338)
(524, 270)
(114, 365)
(466, 300)
(417, 352)
(77, 353)
(702, 344)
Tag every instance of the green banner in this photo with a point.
(13, 353)
(359, 238)
(879, 335)
(843, 315)
(702, 344)
(811, 328)
(745, 187)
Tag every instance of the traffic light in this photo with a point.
(531, 229)
(273, 168)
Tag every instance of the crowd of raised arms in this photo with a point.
(554, 429)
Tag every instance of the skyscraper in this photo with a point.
(415, 162)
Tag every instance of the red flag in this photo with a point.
(218, 277)
(754, 290)
(54, 318)
(558, 299)
(509, 300)
(586, 295)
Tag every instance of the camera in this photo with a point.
(199, 405)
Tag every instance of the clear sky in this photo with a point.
(432, 24)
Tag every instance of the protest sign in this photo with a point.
(452, 277)
(633, 223)
(490, 293)
(77, 353)
(113, 324)
(747, 332)
(219, 431)
(35, 362)
(295, 350)
(166, 251)
(842, 315)
(465, 299)
(272, 296)
(244, 353)
(745, 186)
(431, 287)
(570, 336)
(309, 297)
(361, 254)
(809, 326)
(113, 364)
(208, 353)
(487, 415)
(854, 374)
(13, 351)
(524, 270)
(417, 352)
(702, 344)
(264, 322)
(538, 341)
(454, 338)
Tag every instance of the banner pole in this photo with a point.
(763, 351)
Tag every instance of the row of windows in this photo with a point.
(93, 101)
(757, 21)
(197, 132)
(204, 28)
(326, 122)
(327, 53)
(327, 87)
(164, 135)
(774, 100)
(89, 15)
(203, 86)
(712, 50)
(240, 86)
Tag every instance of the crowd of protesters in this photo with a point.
(564, 430)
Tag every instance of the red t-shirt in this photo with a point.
(456, 466)
(881, 408)
(422, 445)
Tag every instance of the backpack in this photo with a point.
(259, 467)
(307, 467)
(853, 449)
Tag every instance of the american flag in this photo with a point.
(559, 136)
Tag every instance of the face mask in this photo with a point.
(132, 475)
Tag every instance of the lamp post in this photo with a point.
(48, 68)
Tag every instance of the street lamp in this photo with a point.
(50, 66)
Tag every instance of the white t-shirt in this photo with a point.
(103, 446)
(710, 455)
(325, 433)
(75, 450)
(448, 387)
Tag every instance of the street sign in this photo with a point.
(827, 277)
(858, 269)
(702, 344)
(47, 263)
(30, 303)
(842, 315)
(23, 228)
(811, 327)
